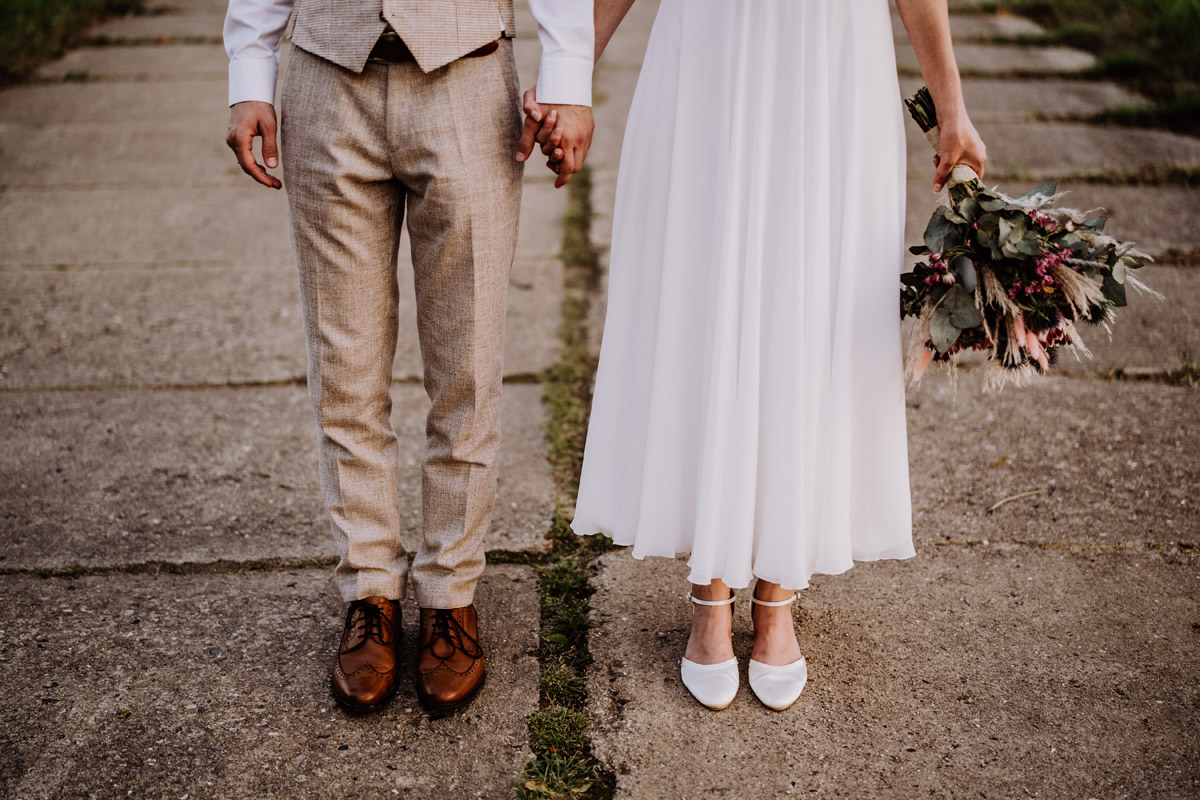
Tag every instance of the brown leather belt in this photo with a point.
(391, 49)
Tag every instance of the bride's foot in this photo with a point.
(774, 631)
(777, 670)
(710, 641)
(709, 669)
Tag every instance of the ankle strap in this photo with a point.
(711, 602)
(776, 603)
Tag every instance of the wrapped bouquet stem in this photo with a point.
(1009, 275)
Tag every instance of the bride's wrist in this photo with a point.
(954, 114)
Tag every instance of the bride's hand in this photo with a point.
(960, 144)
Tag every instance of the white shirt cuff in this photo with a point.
(252, 79)
(565, 81)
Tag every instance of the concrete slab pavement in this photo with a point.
(1114, 463)
(153, 27)
(120, 477)
(965, 27)
(993, 100)
(990, 59)
(1056, 150)
(170, 62)
(217, 686)
(982, 672)
(213, 324)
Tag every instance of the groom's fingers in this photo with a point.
(553, 143)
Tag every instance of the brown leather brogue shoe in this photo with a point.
(364, 673)
(450, 663)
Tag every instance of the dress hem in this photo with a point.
(898, 553)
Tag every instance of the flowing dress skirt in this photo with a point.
(749, 404)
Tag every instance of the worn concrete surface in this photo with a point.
(950, 674)
(1115, 462)
(982, 672)
(1150, 332)
(213, 686)
(182, 105)
(168, 225)
(992, 59)
(42, 155)
(199, 475)
(213, 324)
(1056, 150)
(129, 62)
(964, 27)
(991, 100)
(156, 27)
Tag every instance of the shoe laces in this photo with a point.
(365, 621)
(447, 628)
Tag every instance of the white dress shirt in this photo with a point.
(254, 28)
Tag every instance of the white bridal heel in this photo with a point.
(714, 685)
(777, 686)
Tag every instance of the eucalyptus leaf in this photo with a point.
(961, 308)
(964, 268)
(938, 230)
(942, 331)
(1030, 245)
(969, 210)
(1044, 189)
(993, 204)
(1096, 224)
(1114, 292)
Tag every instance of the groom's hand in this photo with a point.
(247, 120)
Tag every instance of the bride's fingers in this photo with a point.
(943, 172)
(567, 168)
(547, 127)
(553, 143)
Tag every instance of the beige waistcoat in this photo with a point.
(436, 31)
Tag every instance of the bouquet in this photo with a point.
(1010, 275)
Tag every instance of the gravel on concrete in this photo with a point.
(1114, 462)
(964, 672)
(218, 686)
(99, 478)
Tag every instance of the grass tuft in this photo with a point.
(1151, 45)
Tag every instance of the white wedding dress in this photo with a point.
(749, 403)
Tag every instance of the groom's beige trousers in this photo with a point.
(359, 150)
